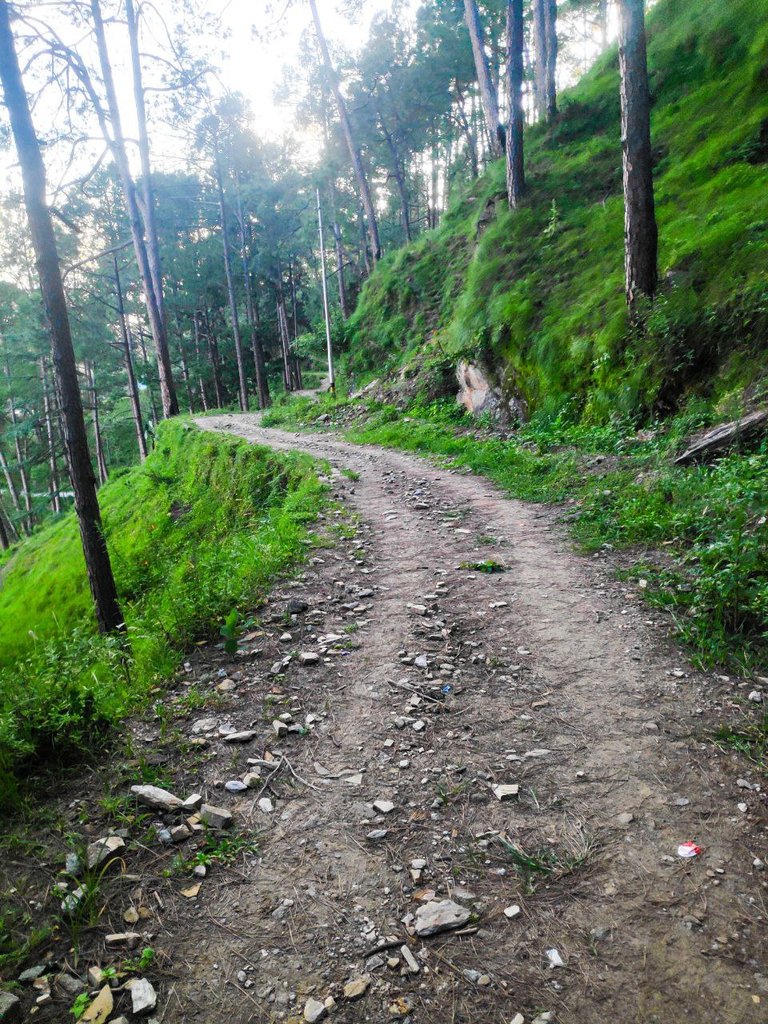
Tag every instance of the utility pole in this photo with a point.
(331, 378)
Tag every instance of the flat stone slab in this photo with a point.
(440, 916)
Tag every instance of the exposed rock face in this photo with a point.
(479, 394)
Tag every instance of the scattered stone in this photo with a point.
(419, 725)
(73, 865)
(756, 697)
(626, 818)
(252, 780)
(544, 1018)
(421, 661)
(72, 901)
(200, 871)
(505, 792)
(357, 987)
(204, 725)
(308, 658)
(95, 977)
(100, 1009)
(555, 960)
(131, 915)
(280, 728)
(179, 833)
(28, 976)
(266, 806)
(215, 817)
(143, 996)
(518, 1019)
(314, 1010)
(192, 892)
(296, 606)
(440, 916)
(244, 736)
(410, 960)
(158, 799)
(383, 806)
(193, 802)
(235, 786)
(122, 940)
(484, 980)
(401, 1007)
(377, 833)
(512, 911)
(10, 1008)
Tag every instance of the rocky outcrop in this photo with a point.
(480, 395)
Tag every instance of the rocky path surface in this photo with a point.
(524, 744)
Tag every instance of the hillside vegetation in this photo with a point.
(538, 298)
(198, 530)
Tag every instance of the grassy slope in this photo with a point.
(201, 527)
(540, 296)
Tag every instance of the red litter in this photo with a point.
(689, 849)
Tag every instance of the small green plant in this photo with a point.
(230, 630)
(141, 963)
(487, 565)
(80, 1005)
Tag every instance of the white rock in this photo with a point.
(314, 1010)
(518, 1019)
(383, 806)
(308, 658)
(103, 849)
(505, 792)
(511, 911)
(555, 960)
(266, 806)
(440, 916)
(756, 697)
(216, 817)
(244, 736)
(143, 996)
(159, 799)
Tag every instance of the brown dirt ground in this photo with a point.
(561, 681)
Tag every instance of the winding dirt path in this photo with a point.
(557, 679)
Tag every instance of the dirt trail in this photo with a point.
(558, 680)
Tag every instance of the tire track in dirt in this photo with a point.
(561, 683)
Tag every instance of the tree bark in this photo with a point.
(10, 482)
(488, 92)
(550, 27)
(200, 382)
(50, 440)
(101, 462)
(354, 152)
(640, 230)
(515, 72)
(133, 389)
(262, 384)
(540, 64)
(97, 561)
(150, 221)
(116, 143)
(242, 379)
(397, 170)
(5, 535)
(215, 358)
(468, 133)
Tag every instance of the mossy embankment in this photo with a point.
(538, 296)
(201, 528)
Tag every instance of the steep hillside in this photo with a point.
(198, 530)
(537, 296)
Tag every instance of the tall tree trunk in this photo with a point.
(97, 561)
(285, 344)
(640, 230)
(468, 133)
(116, 142)
(200, 382)
(10, 483)
(133, 389)
(515, 71)
(50, 440)
(435, 169)
(397, 170)
(215, 358)
(101, 461)
(540, 65)
(484, 80)
(150, 392)
(346, 125)
(5, 530)
(338, 243)
(257, 349)
(550, 25)
(148, 211)
(21, 461)
(242, 379)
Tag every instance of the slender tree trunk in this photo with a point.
(5, 532)
(262, 384)
(602, 20)
(215, 357)
(150, 221)
(242, 379)
(10, 482)
(21, 461)
(282, 329)
(468, 133)
(337, 240)
(150, 392)
(515, 72)
(200, 383)
(640, 230)
(116, 142)
(540, 65)
(484, 80)
(97, 561)
(101, 461)
(133, 389)
(397, 171)
(50, 440)
(550, 25)
(346, 125)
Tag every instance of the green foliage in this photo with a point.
(230, 631)
(195, 533)
(540, 293)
